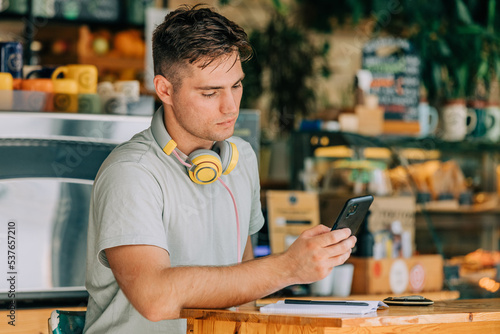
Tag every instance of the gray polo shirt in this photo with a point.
(143, 196)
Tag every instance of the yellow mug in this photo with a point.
(65, 97)
(84, 74)
(6, 81)
(6, 93)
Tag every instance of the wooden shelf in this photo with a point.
(112, 62)
(489, 204)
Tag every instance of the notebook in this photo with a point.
(323, 309)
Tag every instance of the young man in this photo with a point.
(164, 233)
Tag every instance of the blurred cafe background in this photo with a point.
(398, 99)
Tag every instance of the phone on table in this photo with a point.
(353, 213)
(408, 301)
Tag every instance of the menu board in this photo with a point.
(395, 68)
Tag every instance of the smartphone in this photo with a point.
(353, 213)
(408, 301)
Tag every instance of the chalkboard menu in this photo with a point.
(395, 68)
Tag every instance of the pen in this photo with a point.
(324, 302)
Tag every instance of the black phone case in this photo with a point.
(408, 301)
(353, 213)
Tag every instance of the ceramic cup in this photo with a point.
(427, 119)
(65, 95)
(130, 88)
(114, 103)
(85, 75)
(484, 122)
(40, 85)
(457, 121)
(493, 133)
(11, 58)
(324, 286)
(342, 280)
(105, 88)
(41, 72)
(6, 94)
(89, 103)
(6, 81)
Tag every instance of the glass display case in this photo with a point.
(46, 174)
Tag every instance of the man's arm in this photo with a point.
(248, 252)
(159, 291)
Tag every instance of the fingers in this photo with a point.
(318, 250)
(332, 237)
(342, 258)
(337, 236)
(341, 251)
(316, 230)
(334, 255)
(329, 237)
(343, 246)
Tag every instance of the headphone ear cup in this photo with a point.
(228, 155)
(208, 166)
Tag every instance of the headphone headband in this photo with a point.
(160, 134)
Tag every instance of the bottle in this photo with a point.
(309, 176)
(396, 231)
(406, 244)
(365, 240)
(378, 248)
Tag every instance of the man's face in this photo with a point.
(207, 103)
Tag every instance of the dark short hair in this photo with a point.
(195, 35)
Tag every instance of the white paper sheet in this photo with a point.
(281, 308)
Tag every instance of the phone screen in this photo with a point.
(353, 213)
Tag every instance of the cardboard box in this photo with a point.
(290, 213)
(423, 273)
(385, 210)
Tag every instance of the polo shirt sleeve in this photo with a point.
(127, 208)
(256, 218)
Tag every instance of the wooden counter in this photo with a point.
(31, 321)
(456, 316)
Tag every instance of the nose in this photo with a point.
(229, 103)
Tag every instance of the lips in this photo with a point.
(227, 122)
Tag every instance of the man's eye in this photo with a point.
(209, 95)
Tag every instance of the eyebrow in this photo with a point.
(220, 87)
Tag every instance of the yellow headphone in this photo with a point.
(205, 166)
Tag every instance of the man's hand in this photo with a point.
(317, 250)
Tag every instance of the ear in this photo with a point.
(164, 89)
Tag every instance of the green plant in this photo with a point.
(459, 49)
